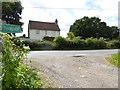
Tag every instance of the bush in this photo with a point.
(40, 45)
(61, 42)
(32, 44)
(16, 74)
(94, 43)
(100, 43)
(80, 43)
(47, 38)
(114, 43)
(70, 35)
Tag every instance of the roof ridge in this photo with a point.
(42, 22)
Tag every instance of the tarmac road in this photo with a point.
(73, 52)
(77, 69)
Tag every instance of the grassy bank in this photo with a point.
(114, 59)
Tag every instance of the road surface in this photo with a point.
(77, 69)
(74, 52)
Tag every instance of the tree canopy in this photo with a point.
(11, 12)
(93, 27)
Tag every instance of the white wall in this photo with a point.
(39, 34)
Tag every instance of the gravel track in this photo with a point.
(83, 71)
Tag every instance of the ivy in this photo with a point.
(16, 74)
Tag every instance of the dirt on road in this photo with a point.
(82, 71)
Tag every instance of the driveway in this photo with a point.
(77, 69)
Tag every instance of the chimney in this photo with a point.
(56, 21)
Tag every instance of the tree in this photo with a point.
(11, 12)
(115, 31)
(91, 27)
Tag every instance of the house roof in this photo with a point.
(43, 25)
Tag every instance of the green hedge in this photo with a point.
(76, 43)
(47, 38)
(40, 45)
(95, 43)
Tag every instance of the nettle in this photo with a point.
(16, 74)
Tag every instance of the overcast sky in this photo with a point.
(67, 11)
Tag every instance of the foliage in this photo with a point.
(115, 33)
(95, 43)
(76, 43)
(80, 42)
(61, 42)
(16, 74)
(114, 43)
(11, 12)
(93, 27)
(114, 59)
(39, 45)
(47, 38)
(70, 35)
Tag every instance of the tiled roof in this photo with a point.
(43, 25)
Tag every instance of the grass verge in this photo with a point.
(114, 59)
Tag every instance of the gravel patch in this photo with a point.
(80, 71)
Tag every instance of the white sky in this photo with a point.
(106, 10)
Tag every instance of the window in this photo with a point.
(46, 32)
(54, 33)
(37, 32)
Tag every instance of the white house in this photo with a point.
(37, 30)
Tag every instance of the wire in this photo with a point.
(69, 8)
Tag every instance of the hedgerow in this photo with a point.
(73, 43)
(40, 45)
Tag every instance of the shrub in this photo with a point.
(115, 43)
(16, 74)
(74, 43)
(70, 35)
(32, 44)
(100, 43)
(94, 43)
(47, 38)
(40, 45)
(90, 42)
(80, 43)
(61, 42)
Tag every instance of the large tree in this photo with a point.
(92, 27)
(11, 12)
